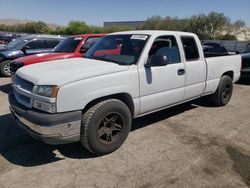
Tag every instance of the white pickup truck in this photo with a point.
(126, 75)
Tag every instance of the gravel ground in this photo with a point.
(191, 145)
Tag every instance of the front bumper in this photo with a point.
(58, 128)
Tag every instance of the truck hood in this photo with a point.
(61, 72)
(32, 59)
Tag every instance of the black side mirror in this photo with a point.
(157, 60)
(25, 48)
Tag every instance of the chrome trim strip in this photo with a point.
(64, 130)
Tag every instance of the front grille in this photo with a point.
(23, 98)
(14, 66)
(22, 90)
(24, 84)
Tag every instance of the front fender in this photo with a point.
(77, 95)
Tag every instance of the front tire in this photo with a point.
(224, 91)
(105, 126)
(5, 68)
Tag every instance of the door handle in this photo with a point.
(181, 72)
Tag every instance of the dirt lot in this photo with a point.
(191, 145)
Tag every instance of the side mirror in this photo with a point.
(25, 48)
(237, 52)
(157, 60)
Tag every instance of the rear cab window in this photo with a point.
(190, 48)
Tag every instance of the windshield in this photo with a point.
(68, 45)
(247, 49)
(119, 49)
(16, 44)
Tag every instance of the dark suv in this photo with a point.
(245, 68)
(24, 46)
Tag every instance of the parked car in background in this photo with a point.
(24, 46)
(73, 46)
(246, 49)
(5, 38)
(93, 100)
(214, 49)
(231, 46)
(245, 55)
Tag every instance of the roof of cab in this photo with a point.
(42, 36)
(87, 35)
(152, 32)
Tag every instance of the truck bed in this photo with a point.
(216, 66)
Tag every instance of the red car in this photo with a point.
(73, 46)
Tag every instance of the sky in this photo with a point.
(95, 12)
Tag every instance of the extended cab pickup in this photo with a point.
(73, 46)
(125, 75)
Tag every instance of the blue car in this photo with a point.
(24, 46)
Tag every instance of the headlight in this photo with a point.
(47, 107)
(46, 91)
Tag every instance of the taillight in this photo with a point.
(241, 63)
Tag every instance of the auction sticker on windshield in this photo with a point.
(78, 38)
(139, 37)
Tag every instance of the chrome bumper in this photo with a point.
(59, 130)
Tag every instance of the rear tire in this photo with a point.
(5, 68)
(224, 91)
(105, 126)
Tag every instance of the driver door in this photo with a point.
(162, 86)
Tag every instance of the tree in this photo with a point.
(167, 23)
(154, 22)
(197, 24)
(208, 26)
(236, 27)
(226, 37)
(239, 23)
(77, 27)
(216, 23)
(34, 27)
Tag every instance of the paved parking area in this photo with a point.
(191, 145)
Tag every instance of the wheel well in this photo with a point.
(124, 97)
(230, 74)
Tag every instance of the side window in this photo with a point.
(36, 44)
(90, 42)
(52, 43)
(166, 45)
(190, 48)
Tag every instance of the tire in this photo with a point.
(105, 126)
(5, 68)
(224, 91)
